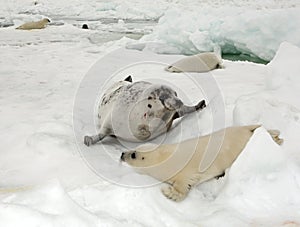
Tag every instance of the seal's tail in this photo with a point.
(274, 133)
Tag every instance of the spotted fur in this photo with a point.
(138, 111)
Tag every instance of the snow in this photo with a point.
(278, 102)
(49, 206)
(253, 170)
(186, 28)
(257, 32)
(49, 178)
(286, 58)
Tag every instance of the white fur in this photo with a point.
(203, 62)
(138, 111)
(193, 161)
(34, 25)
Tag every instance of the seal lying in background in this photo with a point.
(203, 62)
(180, 164)
(138, 111)
(34, 25)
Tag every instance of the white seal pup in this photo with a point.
(179, 165)
(138, 111)
(34, 25)
(203, 62)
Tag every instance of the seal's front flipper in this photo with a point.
(172, 193)
(201, 105)
(179, 187)
(190, 109)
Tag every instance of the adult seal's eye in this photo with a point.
(133, 156)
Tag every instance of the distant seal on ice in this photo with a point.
(138, 111)
(160, 161)
(34, 25)
(203, 62)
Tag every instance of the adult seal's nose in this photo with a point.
(122, 156)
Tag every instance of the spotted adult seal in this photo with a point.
(138, 111)
(179, 164)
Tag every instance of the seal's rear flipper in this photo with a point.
(90, 140)
(129, 79)
(275, 136)
(274, 133)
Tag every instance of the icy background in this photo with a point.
(43, 179)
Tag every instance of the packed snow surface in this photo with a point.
(48, 178)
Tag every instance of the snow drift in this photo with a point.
(252, 32)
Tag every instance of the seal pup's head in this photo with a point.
(146, 155)
(45, 21)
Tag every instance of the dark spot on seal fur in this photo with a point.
(151, 114)
(149, 106)
(133, 156)
(133, 91)
(163, 93)
(85, 26)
